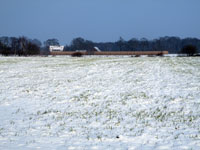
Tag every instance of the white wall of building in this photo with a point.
(56, 48)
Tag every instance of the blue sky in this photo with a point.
(99, 20)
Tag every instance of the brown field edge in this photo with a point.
(113, 53)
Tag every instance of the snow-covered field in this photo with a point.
(99, 103)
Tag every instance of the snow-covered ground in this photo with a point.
(98, 103)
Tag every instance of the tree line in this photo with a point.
(21, 46)
(25, 46)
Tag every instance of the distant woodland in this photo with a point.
(26, 46)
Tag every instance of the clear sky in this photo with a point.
(99, 20)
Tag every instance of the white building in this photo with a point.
(97, 49)
(56, 48)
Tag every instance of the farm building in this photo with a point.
(56, 48)
(90, 51)
(97, 51)
(93, 50)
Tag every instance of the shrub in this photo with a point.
(160, 54)
(77, 54)
(137, 55)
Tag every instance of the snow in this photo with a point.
(99, 103)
